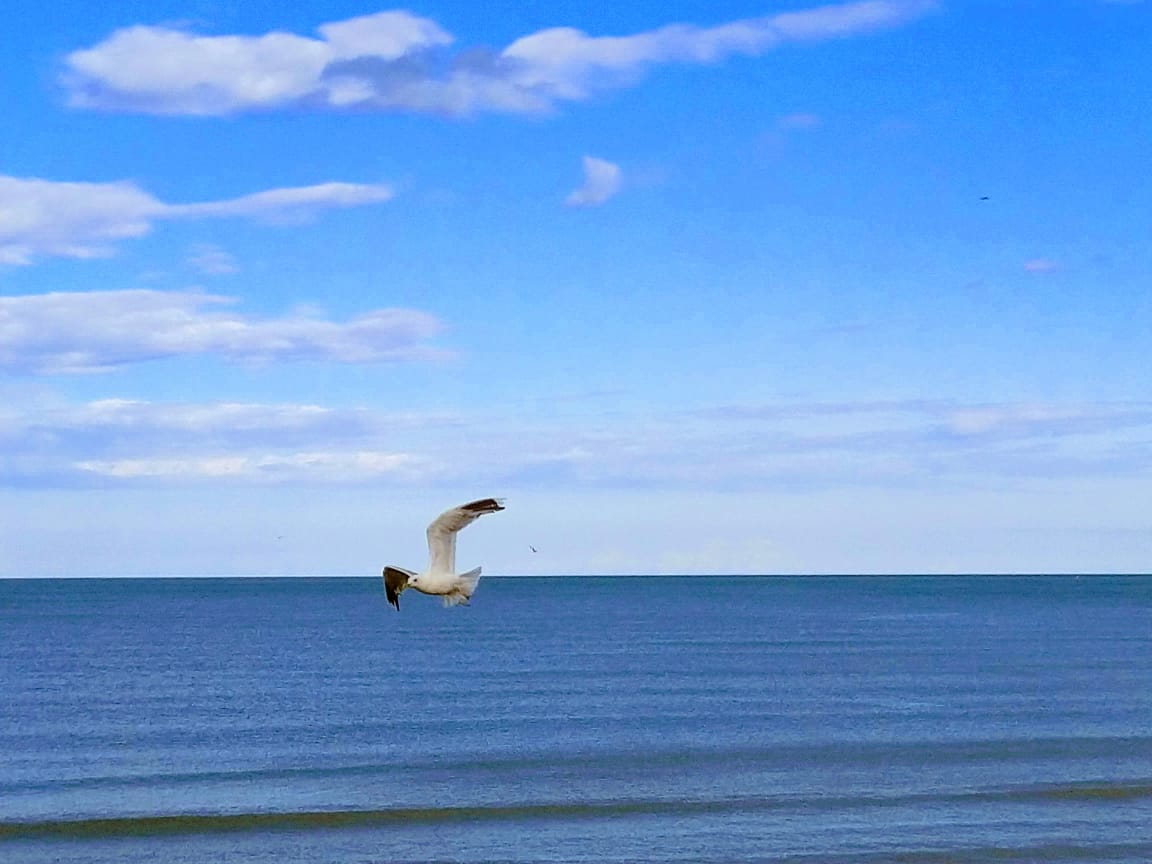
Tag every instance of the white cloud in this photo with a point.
(601, 182)
(207, 419)
(790, 447)
(74, 220)
(566, 63)
(167, 71)
(66, 332)
(48, 442)
(301, 200)
(386, 62)
(933, 441)
(323, 466)
(46, 218)
(386, 35)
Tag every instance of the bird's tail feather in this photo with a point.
(471, 579)
(463, 593)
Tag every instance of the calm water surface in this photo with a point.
(818, 720)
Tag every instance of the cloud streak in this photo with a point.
(601, 182)
(924, 441)
(888, 445)
(395, 60)
(325, 466)
(134, 441)
(72, 332)
(47, 218)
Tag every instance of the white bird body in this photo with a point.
(441, 578)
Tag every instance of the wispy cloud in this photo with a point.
(47, 218)
(920, 441)
(291, 202)
(601, 182)
(70, 332)
(323, 466)
(234, 420)
(399, 61)
(783, 447)
(152, 442)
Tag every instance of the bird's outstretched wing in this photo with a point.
(442, 531)
(395, 581)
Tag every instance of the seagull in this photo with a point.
(441, 577)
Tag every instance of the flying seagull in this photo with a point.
(441, 577)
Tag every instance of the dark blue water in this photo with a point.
(584, 719)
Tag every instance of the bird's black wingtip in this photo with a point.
(484, 505)
(390, 590)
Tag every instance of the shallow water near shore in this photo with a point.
(605, 719)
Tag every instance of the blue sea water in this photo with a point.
(914, 720)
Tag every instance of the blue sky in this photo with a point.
(698, 287)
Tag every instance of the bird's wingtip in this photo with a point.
(485, 505)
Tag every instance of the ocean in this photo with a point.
(823, 720)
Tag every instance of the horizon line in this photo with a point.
(793, 575)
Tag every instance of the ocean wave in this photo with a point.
(301, 820)
(824, 754)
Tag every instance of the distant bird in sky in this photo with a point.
(530, 546)
(984, 198)
(441, 578)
